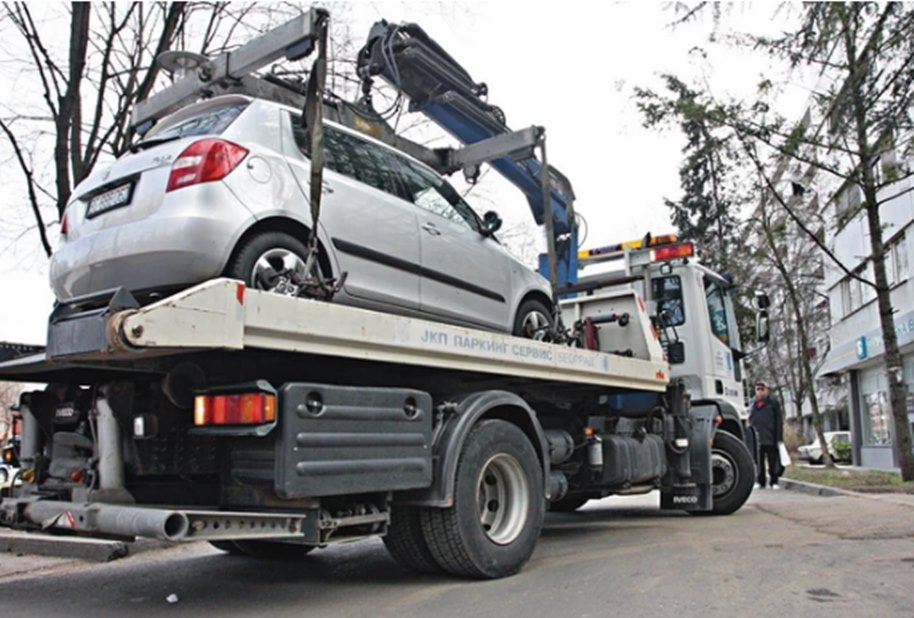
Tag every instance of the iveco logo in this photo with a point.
(685, 499)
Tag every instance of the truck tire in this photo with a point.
(733, 474)
(568, 504)
(499, 505)
(405, 540)
(268, 550)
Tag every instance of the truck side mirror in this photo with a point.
(762, 333)
(491, 223)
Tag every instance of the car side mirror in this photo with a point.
(491, 223)
(762, 301)
(762, 333)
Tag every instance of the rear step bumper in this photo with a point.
(164, 524)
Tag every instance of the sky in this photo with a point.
(570, 68)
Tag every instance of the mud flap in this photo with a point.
(688, 498)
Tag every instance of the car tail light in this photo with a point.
(205, 161)
(64, 225)
(234, 409)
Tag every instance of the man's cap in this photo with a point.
(762, 384)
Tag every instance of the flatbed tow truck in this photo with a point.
(272, 426)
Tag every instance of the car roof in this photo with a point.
(225, 99)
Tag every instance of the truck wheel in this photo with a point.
(492, 529)
(533, 320)
(733, 473)
(568, 504)
(268, 550)
(405, 540)
(273, 262)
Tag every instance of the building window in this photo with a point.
(851, 293)
(896, 255)
(875, 412)
(847, 201)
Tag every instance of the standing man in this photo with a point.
(766, 418)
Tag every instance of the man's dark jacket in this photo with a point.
(765, 417)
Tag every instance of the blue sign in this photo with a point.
(861, 348)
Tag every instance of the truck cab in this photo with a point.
(691, 308)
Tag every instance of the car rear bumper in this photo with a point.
(175, 246)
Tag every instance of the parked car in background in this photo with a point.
(220, 188)
(813, 452)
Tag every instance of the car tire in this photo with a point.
(533, 320)
(499, 469)
(733, 474)
(268, 262)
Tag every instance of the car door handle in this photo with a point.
(431, 229)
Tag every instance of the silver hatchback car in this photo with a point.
(220, 188)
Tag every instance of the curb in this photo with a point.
(813, 489)
(93, 550)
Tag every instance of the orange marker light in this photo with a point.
(235, 409)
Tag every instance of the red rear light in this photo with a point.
(205, 161)
(234, 409)
(672, 252)
(64, 226)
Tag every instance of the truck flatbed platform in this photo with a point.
(222, 314)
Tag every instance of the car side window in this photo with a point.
(353, 157)
(434, 194)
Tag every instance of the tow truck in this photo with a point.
(272, 426)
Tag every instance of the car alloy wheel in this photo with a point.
(279, 271)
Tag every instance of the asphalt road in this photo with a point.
(783, 554)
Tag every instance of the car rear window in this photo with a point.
(210, 121)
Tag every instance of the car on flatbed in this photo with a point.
(219, 188)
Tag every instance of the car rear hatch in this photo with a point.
(133, 187)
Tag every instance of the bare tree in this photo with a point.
(88, 83)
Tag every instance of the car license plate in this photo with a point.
(109, 200)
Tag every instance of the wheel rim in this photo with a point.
(535, 325)
(724, 472)
(501, 499)
(279, 271)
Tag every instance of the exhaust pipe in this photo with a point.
(111, 519)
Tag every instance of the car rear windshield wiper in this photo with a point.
(149, 143)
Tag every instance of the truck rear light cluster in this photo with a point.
(672, 252)
(234, 409)
(205, 161)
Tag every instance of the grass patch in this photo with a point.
(867, 481)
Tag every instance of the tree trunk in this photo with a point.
(68, 121)
(859, 67)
